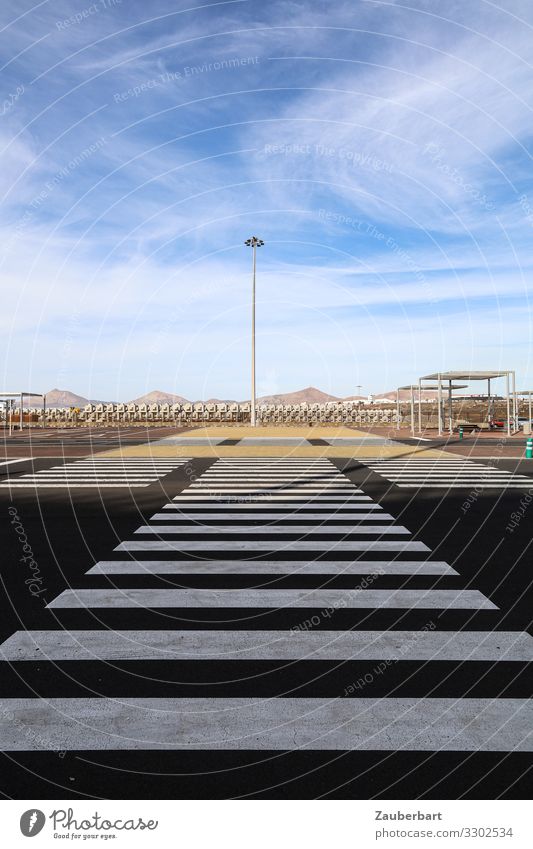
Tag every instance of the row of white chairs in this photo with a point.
(208, 413)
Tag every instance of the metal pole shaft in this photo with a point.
(450, 408)
(508, 404)
(252, 414)
(412, 411)
(419, 406)
(439, 403)
(515, 405)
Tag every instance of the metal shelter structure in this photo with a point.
(8, 398)
(449, 376)
(412, 387)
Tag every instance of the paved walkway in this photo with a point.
(324, 441)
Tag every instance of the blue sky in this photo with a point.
(381, 149)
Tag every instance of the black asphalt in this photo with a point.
(69, 530)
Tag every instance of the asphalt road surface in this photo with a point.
(247, 627)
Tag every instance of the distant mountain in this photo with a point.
(157, 397)
(311, 395)
(303, 396)
(62, 398)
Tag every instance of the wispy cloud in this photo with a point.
(382, 151)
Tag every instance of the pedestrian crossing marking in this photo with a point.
(96, 473)
(238, 547)
(444, 474)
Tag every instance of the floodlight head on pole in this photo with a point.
(254, 243)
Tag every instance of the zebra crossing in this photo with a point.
(302, 616)
(415, 473)
(100, 472)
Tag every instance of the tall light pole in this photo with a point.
(253, 243)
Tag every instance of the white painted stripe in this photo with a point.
(275, 530)
(89, 479)
(482, 484)
(471, 467)
(311, 499)
(96, 473)
(271, 567)
(268, 645)
(96, 470)
(438, 464)
(429, 466)
(439, 461)
(82, 473)
(463, 481)
(278, 599)
(439, 470)
(284, 724)
(477, 473)
(271, 517)
(466, 481)
(17, 460)
(492, 473)
(444, 472)
(270, 470)
(278, 467)
(35, 485)
(251, 489)
(269, 545)
(272, 483)
(274, 469)
(319, 486)
(344, 508)
(99, 467)
(290, 475)
(104, 470)
(311, 478)
(144, 476)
